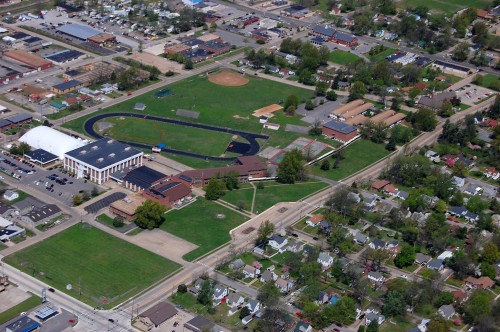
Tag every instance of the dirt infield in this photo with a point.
(228, 78)
(267, 111)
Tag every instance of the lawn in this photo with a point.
(272, 193)
(186, 138)
(342, 57)
(198, 224)
(24, 306)
(489, 79)
(217, 105)
(396, 325)
(358, 155)
(380, 56)
(445, 6)
(99, 264)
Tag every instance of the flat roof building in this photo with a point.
(31, 60)
(66, 86)
(142, 178)
(78, 31)
(126, 207)
(23, 324)
(42, 214)
(97, 160)
(20, 118)
(42, 157)
(340, 131)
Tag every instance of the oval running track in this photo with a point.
(250, 137)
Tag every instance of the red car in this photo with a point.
(129, 94)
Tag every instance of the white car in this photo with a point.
(404, 276)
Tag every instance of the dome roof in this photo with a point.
(51, 140)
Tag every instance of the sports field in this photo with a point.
(445, 6)
(174, 136)
(198, 224)
(95, 262)
(358, 155)
(272, 193)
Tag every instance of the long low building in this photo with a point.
(345, 108)
(355, 111)
(98, 160)
(340, 131)
(29, 59)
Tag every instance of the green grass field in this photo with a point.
(101, 264)
(489, 80)
(272, 193)
(218, 105)
(342, 57)
(445, 6)
(24, 306)
(380, 56)
(186, 138)
(198, 224)
(358, 155)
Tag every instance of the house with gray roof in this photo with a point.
(268, 276)
(458, 211)
(325, 260)
(361, 238)
(435, 101)
(376, 277)
(447, 311)
(253, 306)
(236, 264)
(436, 264)
(372, 316)
(422, 259)
(377, 244)
(295, 246)
(278, 242)
(219, 292)
(234, 299)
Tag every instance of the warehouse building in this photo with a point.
(66, 86)
(51, 140)
(141, 178)
(30, 60)
(78, 31)
(340, 131)
(65, 56)
(97, 160)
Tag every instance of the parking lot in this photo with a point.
(38, 178)
(471, 94)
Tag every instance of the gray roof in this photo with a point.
(67, 85)
(236, 264)
(267, 276)
(403, 194)
(28, 202)
(103, 153)
(252, 304)
(198, 324)
(344, 37)
(4, 123)
(378, 243)
(375, 275)
(42, 213)
(219, 290)
(435, 264)
(324, 30)
(278, 239)
(422, 258)
(41, 156)
(341, 127)
(471, 215)
(447, 310)
(234, 297)
(160, 313)
(324, 256)
(435, 101)
(143, 176)
(78, 31)
(19, 117)
(23, 324)
(458, 210)
(360, 237)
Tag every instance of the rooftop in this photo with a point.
(78, 31)
(340, 127)
(41, 156)
(143, 176)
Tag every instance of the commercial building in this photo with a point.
(169, 192)
(40, 215)
(435, 101)
(157, 315)
(51, 140)
(335, 36)
(42, 157)
(340, 131)
(97, 160)
(141, 178)
(23, 324)
(28, 59)
(126, 207)
(64, 56)
(19, 119)
(66, 86)
(102, 39)
(78, 31)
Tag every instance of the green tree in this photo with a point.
(325, 165)
(150, 214)
(291, 168)
(291, 100)
(446, 109)
(244, 312)
(424, 119)
(188, 64)
(182, 288)
(205, 294)
(118, 221)
(266, 229)
(476, 205)
(77, 200)
(344, 311)
(269, 295)
(490, 253)
(310, 105)
(461, 52)
(394, 304)
(438, 324)
(477, 307)
(406, 257)
(373, 327)
(488, 270)
(215, 189)
(321, 88)
(391, 145)
(331, 95)
(444, 298)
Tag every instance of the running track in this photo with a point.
(250, 137)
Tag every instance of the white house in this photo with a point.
(377, 244)
(325, 260)
(234, 300)
(447, 311)
(10, 195)
(268, 276)
(492, 173)
(219, 293)
(278, 242)
(314, 220)
(433, 156)
(376, 277)
(253, 306)
(459, 182)
(250, 271)
(372, 316)
(284, 285)
(247, 319)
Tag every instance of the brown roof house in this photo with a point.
(435, 101)
(157, 315)
(482, 283)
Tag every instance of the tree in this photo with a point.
(188, 64)
(331, 95)
(488, 270)
(77, 200)
(461, 52)
(310, 105)
(290, 110)
(476, 205)
(182, 288)
(490, 253)
(150, 214)
(269, 295)
(321, 88)
(205, 293)
(266, 229)
(325, 165)
(20, 149)
(494, 110)
(291, 168)
(438, 324)
(391, 145)
(394, 304)
(373, 327)
(444, 298)
(446, 109)
(244, 312)
(316, 128)
(406, 257)
(477, 307)
(94, 192)
(118, 221)
(291, 100)
(344, 311)
(480, 58)
(424, 119)
(215, 189)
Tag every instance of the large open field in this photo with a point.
(198, 224)
(272, 193)
(445, 6)
(217, 105)
(358, 155)
(99, 264)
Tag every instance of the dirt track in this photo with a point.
(228, 78)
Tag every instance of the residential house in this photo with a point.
(380, 184)
(219, 292)
(431, 201)
(315, 220)
(471, 217)
(458, 211)
(402, 194)
(377, 244)
(284, 285)
(466, 161)
(392, 244)
(459, 297)
(11, 195)
(376, 277)
(458, 181)
(436, 264)
(370, 202)
(435, 101)
(361, 238)
(325, 226)
(278, 242)
(250, 271)
(295, 246)
(236, 264)
(449, 160)
(268, 276)
(391, 190)
(196, 287)
(253, 306)
(234, 299)
(323, 298)
(302, 327)
(247, 319)
(433, 156)
(481, 283)
(422, 259)
(472, 189)
(492, 173)
(325, 260)
(446, 311)
(372, 316)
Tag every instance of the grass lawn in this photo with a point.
(103, 265)
(186, 138)
(198, 224)
(358, 155)
(445, 6)
(380, 56)
(342, 57)
(198, 94)
(272, 193)
(398, 324)
(24, 306)
(489, 79)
